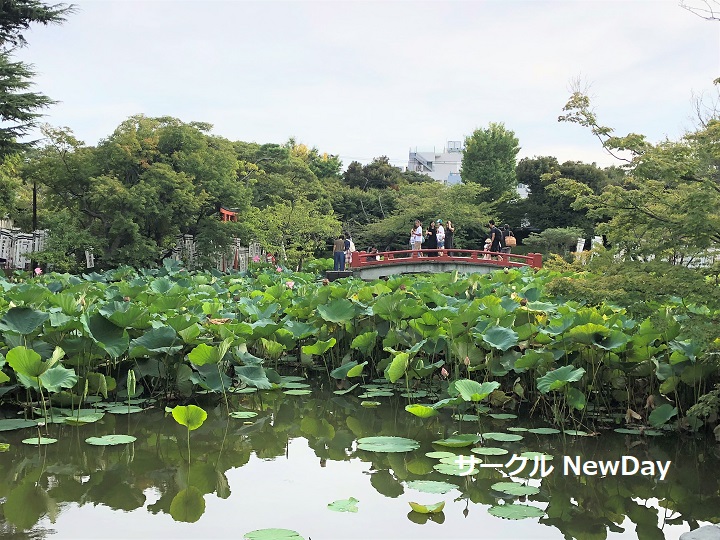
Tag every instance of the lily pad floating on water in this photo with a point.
(347, 390)
(377, 393)
(455, 470)
(297, 392)
(458, 441)
(110, 440)
(387, 444)
(431, 486)
(11, 424)
(427, 508)
(629, 431)
(246, 390)
(502, 416)
(38, 441)
(273, 534)
(489, 451)
(576, 433)
(514, 488)
(243, 414)
(466, 417)
(344, 505)
(123, 409)
(515, 511)
(502, 437)
(539, 455)
(544, 431)
(440, 455)
(294, 385)
(370, 404)
(83, 419)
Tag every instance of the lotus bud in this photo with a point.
(466, 361)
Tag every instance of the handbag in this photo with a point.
(510, 241)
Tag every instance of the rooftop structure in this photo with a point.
(442, 166)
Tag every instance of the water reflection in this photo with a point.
(282, 469)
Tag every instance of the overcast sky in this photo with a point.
(371, 78)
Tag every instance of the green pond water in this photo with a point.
(283, 467)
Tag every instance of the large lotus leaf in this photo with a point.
(427, 508)
(431, 486)
(341, 310)
(190, 416)
(264, 328)
(489, 451)
(58, 377)
(458, 441)
(387, 444)
(365, 343)
(532, 359)
(211, 378)
(342, 371)
(39, 441)
(319, 347)
(253, 376)
(188, 505)
(272, 534)
(108, 335)
(589, 333)
(207, 354)
(616, 340)
(502, 437)
(26, 362)
(514, 488)
(3, 378)
(421, 411)
(558, 378)
(397, 367)
(11, 424)
(22, 320)
(344, 505)
(455, 470)
(357, 370)
(544, 431)
(299, 329)
(576, 399)
(163, 340)
(126, 314)
(662, 414)
(500, 337)
(110, 440)
(516, 511)
(473, 390)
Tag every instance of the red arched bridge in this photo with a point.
(373, 265)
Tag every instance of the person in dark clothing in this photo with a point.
(507, 233)
(496, 238)
(339, 253)
(450, 235)
(431, 239)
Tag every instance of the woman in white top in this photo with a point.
(416, 236)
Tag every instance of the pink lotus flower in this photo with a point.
(290, 284)
(466, 361)
(444, 373)
(279, 269)
(256, 258)
(38, 271)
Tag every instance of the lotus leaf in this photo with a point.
(489, 451)
(537, 455)
(370, 404)
(458, 441)
(455, 470)
(22, 320)
(111, 337)
(517, 428)
(502, 437)
(365, 343)
(346, 391)
(515, 511)
(190, 416)
(319, 347)
(473, 390)
(123, 409)
(26, 362)
(342, 371)
(421, 411)
(110, 440)
(387, 444)
(297, 392)
(344, 505)
(427, 509)
(83, 419)
(431, 486)
(662, 414)
(503, 416)
(58, 377)
(514, 488)
(576, 433)
(39, 441)
(162, 340)
(272, 534)
(500, 338)
(253, 376)
(544, 431)
(558, 378)
(356, 371)
(440, 454)
(243, 414)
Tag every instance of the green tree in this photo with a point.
(19, 107)
(667, 206)
(489, 159)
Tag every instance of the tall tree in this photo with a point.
(489, 159)
(19, 107)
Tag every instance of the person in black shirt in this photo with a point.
(496, 238)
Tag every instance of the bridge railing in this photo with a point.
(365, 259)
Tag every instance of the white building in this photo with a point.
(442, 166)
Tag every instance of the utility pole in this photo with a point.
(34, 223)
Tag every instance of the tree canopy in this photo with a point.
(489, 159)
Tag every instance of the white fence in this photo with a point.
(237, 259)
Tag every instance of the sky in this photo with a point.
(362, 79)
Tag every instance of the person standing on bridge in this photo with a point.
(449, 235)
(440, 234)
(431, 239)
(496, 238)
(416, 236)
(339, 254)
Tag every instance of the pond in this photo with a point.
(283, 467)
